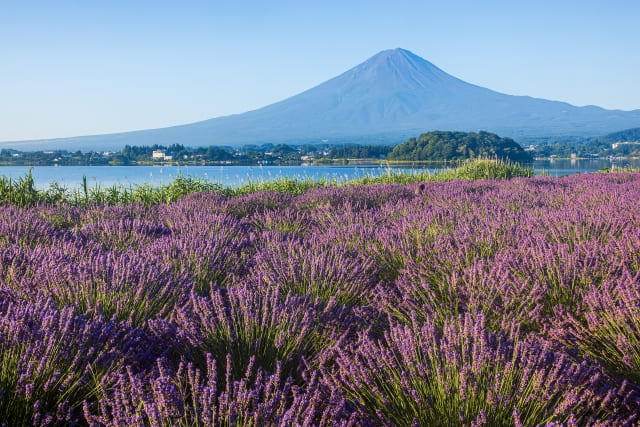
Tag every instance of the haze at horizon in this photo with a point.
(75, 69)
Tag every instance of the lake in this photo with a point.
(106, 176)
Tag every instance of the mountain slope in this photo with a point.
(392, 95)
(632, 135)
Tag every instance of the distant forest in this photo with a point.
(602, 146)
(440, 145)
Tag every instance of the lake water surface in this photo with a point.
(106, 176)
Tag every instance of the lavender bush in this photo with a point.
(52, 360)
(466, 375)
(265, 326)
(188, 397)
(609, 327)
(308, 267)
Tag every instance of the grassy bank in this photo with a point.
(23, 192)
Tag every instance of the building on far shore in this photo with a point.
(618, 144)
(160, 155)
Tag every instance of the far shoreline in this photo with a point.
(326, 162)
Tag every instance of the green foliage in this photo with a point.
(624, 135)
(618, 169)
(601, 146)
(359, 152)
(22, 192)
(470, 171)
(491, 169)
(439, 145)
(289, 185)
(56, 157)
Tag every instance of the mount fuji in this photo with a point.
(391, 96)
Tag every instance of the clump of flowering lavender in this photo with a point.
(188, 396)
(123, 233)
(26, 227)
(609, 327)
(51, 360)
(132, 285)
(361, 197)
(61, 217)
(490, 287)
(261, 325)
(208, 220)
(467, 375)
(208, 250)
(246, 206)
(101, 216)
(321, 270)
(284, 220)
(565, 270)
(193, 205)
(351, 227)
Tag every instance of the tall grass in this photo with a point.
(22, 191)
(471, 170)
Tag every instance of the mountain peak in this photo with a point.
(397, 57)
(391, 52)
(395, 51)
(395, 71)
(401, 67)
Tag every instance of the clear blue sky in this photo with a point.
(86, 67)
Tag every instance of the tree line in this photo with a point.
(276, 154)
(431, 146)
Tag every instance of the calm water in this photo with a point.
(106, 176)
(71, 176)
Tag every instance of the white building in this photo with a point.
(617, 144)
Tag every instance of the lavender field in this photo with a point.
(495, 302)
